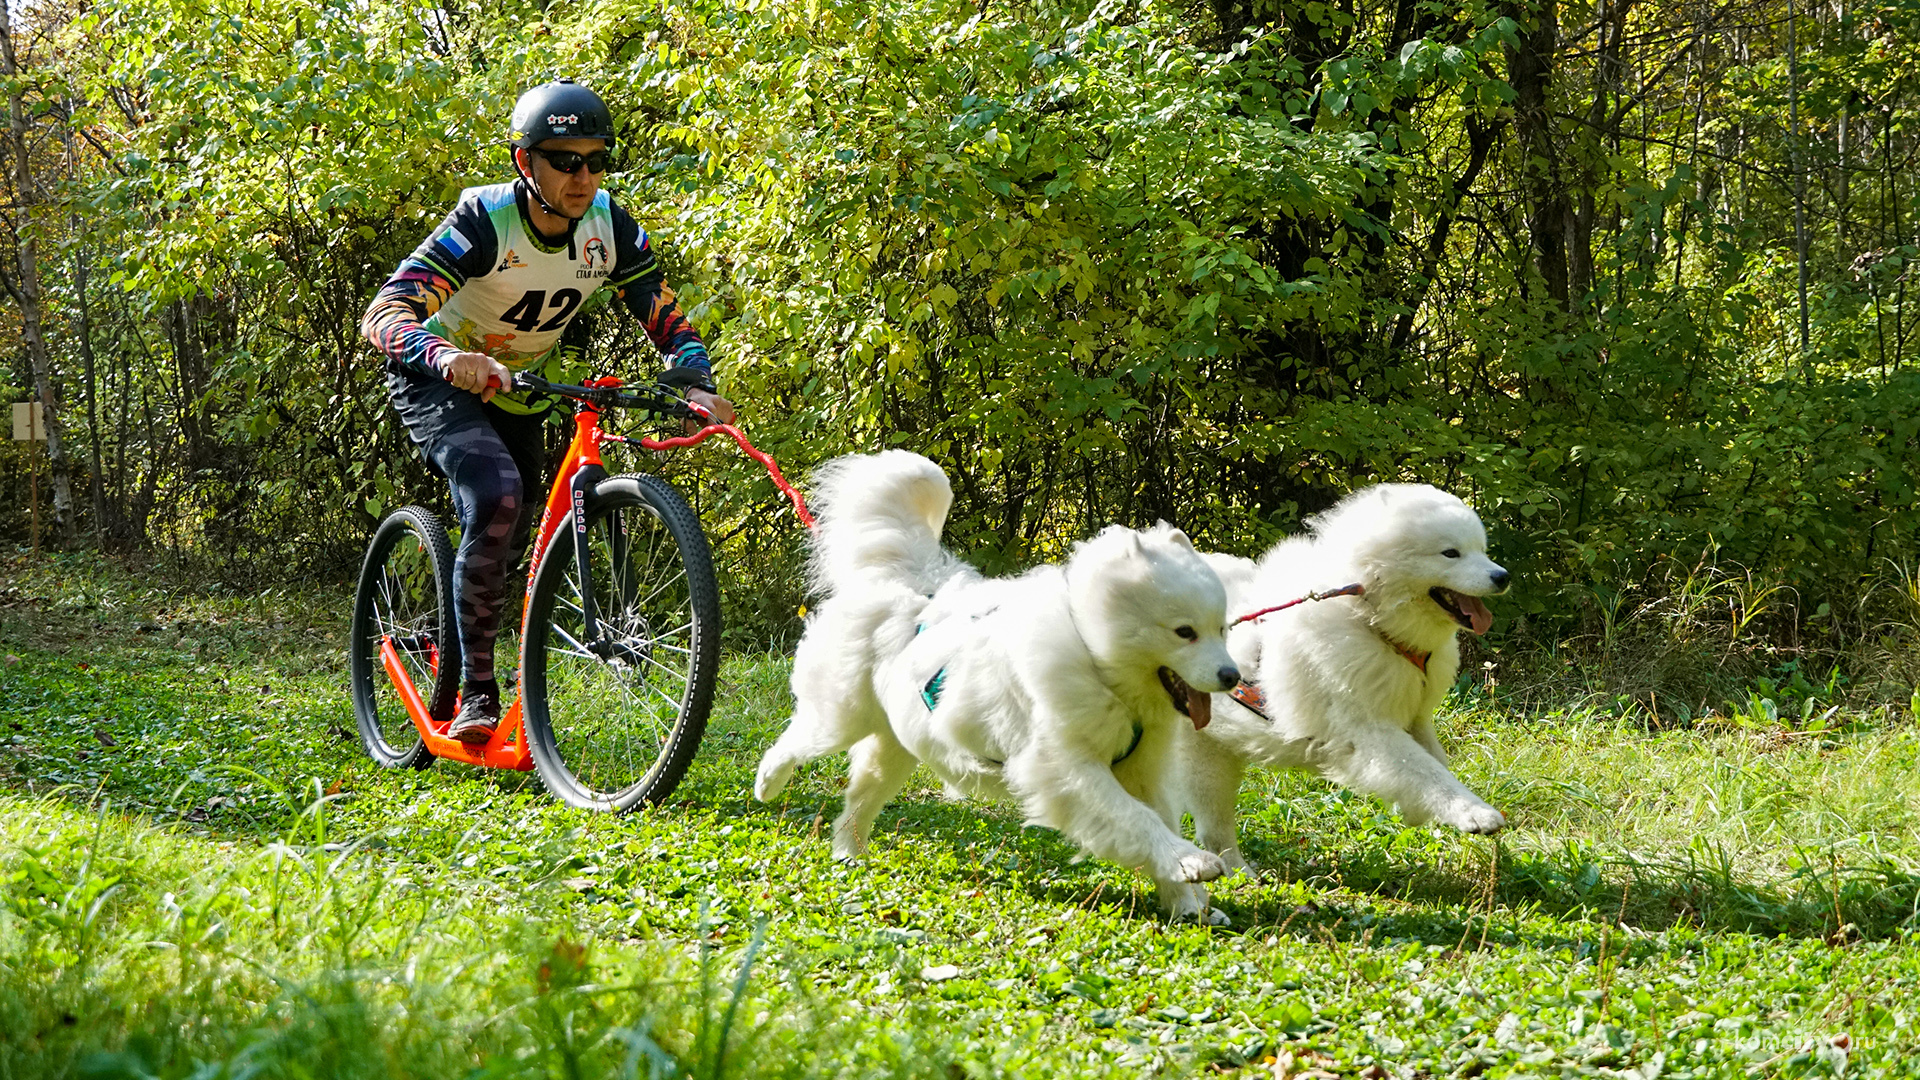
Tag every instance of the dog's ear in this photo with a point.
(1171, 535)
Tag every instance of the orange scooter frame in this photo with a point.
(508, 748)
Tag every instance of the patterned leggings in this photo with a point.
(484, 452)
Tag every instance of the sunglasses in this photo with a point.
(569, 162)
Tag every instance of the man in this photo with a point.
(492, 291)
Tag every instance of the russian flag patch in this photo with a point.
(456, 243)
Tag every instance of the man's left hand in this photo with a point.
(720, 407)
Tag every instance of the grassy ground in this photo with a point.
(203, 876)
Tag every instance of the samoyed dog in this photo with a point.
(1347, 686)
(1060, 689)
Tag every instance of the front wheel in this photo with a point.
(405, 598)
(613, 719)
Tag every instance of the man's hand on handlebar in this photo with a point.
(708, 407)
(479, 373)
(720, 408)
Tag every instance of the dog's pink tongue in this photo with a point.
(1476, 610)
(1199, 707)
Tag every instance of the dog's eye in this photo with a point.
(1186, 632)
(1451, 553)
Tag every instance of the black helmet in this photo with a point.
(562, 109)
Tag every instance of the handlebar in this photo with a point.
(664, 400)
(659, 398)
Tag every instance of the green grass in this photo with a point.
(203, 876)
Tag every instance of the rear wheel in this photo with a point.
(405, 598)
(613, 719)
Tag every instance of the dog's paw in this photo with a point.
(848, 845)
(1188, 903)
(1477, 818)
(1234, 863)
(771, 781)
(1200, 866)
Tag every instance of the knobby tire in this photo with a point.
(405, 594)
(615, 723)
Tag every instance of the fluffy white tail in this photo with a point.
(879, 516)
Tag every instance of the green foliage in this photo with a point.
(1103, 261)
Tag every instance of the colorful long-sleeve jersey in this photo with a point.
(485, 282)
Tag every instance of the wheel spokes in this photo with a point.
(614, 702)
(406, 613)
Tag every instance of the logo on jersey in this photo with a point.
(512, 262)
(555, 118)
(597, 261)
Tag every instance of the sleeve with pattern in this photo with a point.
(462, 248)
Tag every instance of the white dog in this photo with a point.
(1350, 683)
(1061, 689)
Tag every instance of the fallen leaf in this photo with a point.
(1311, 1066)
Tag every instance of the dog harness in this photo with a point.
(930, 690)
(1408, 653)
(1252, 698)
(930, 696)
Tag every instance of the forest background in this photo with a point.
(1631, 276)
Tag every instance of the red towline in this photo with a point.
(765, 459)
(1354, 589)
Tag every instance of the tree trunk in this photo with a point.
(96, 481)
(189, 376)
(1550, 215)
(26, 290)
(1799, 181)
(1590, 145)
(84, 327)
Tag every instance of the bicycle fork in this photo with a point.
(583, 481)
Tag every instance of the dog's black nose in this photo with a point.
(1500, 578)
(1229, 677)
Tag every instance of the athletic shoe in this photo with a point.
(479, 715)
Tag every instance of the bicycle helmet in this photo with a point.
(561, 109)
